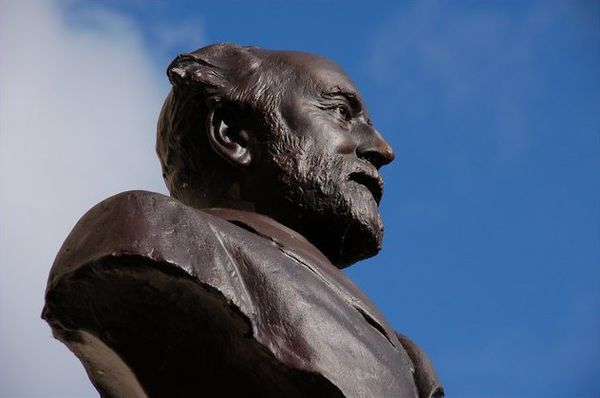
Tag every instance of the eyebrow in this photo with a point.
(349, 95)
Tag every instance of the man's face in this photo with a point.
(324, 165)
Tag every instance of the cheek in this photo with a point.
(327, 134)
(339, 143)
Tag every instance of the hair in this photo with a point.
(220, 73)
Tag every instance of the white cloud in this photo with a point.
(78, 108)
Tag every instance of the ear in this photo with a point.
(229, 134)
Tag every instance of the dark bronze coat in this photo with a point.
(161, 299)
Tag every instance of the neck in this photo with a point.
(232, 199)
(270, 228)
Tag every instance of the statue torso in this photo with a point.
(301, 309)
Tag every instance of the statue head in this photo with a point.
(280, 133)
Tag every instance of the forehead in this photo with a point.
(310, 70)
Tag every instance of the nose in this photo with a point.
(375, 149)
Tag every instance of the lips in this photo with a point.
(372, 182)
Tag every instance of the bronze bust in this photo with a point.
(232, 286)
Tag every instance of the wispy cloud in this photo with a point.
(187, 35)
(160, 36)
(78, 108)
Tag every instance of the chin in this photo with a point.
(347, 233)
(344, 230)
(363, 239)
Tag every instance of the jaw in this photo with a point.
(344, 240)
(363, 235)
(357, 243)
(352, 245)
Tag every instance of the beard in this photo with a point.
(311, 191)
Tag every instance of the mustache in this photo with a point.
(293, 155)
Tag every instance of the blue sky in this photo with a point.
(491, 259)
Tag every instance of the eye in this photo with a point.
(343, 111)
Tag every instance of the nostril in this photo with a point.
(373, 158)
(376, 158)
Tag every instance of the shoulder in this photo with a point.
(122, 207)
(134, 223)
(162, 287)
